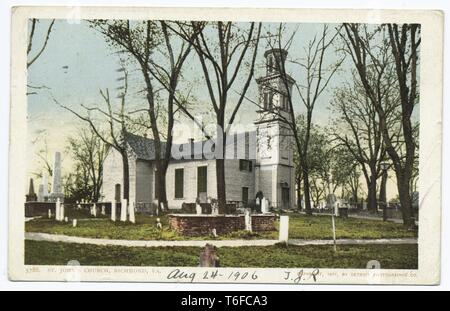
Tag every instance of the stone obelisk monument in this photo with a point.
(56, 185)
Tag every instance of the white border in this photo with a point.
(435, 113)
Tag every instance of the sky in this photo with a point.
(77, 63)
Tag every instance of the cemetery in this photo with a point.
(281, 191)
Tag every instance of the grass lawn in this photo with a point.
(300, 227)
(319, 227)
(277, 256)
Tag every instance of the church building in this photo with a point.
(264, 166)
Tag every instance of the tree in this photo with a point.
(357, 128)
(141, 41)
(222, 49)
(371, 49)
(32, 58)
(88, 152)
(318, 75)
(346, 173)
(117, 125)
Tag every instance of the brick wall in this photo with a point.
(33, 209)
(195, 225)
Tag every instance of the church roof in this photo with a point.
(144, 148)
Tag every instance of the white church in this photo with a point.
(265, 168)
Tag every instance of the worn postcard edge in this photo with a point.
(431, 75)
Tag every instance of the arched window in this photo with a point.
(270, 106)
(270, 64)
(266, 100)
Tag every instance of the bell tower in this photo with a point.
(274, 169)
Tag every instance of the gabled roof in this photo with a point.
(144, 148)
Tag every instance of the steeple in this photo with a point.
(275, 61)
(276, 85)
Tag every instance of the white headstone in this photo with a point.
(61, 212)
(258, 201)
(264, 206)
(49, 213)
(94, 210)
(284, 229)
(56, 184)
(113, 210)
(131, 212)
(74, 223)
(41, 193)
(214, 209)
(158, 224)
(66, 219)
(248, 220)
(103, 210)
(123, 210)
(58, 210)
(198, 209)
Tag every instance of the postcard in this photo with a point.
(225, 145)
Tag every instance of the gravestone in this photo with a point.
(40, 196)
(123, 210)
(158, 224)
(58, 210)
(264, 206)
(214, 232)
(208, 257)
(49, 213)
(113, 210)
(61, 211)
(56, 185)
(198, 209)
(103, 210)
(74, 223)
(248, 220)
(31, 196)
(131, 212)
(94, 210)
(284, 229)
(214, 209)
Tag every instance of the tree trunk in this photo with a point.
(383, 199)
(299, 193)
(161, 177)
(405, 201)
(220, 173)
(308, 209)
(372, 195)
(220, 164)
(126, 176)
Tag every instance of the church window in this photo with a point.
(270, 64)
(202, 180)
(179, 183)
(245, 195)
(266, 100)
(245, 165)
